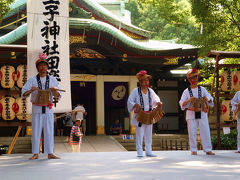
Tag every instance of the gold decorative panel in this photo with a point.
(134, 36)
(86, 54)
(171, 61)
(77, 39)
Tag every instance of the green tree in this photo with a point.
(167, 19)
(221, 24)
(4, 7)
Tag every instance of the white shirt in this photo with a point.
(79, 115)
(235, 100)
(186, 96)
(33, 82)
(134, 98)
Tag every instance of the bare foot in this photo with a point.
(237, 151)
(194, 153)
(52, 156)
(35, 156)
(210, 153)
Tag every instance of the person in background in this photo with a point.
(116, 128)
(79, 112)
(76, 136)
(60, 124)
(68, 126)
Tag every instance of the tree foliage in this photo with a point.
(4, 7)
(167, 19)
(221, 24)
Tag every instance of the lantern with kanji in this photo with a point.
(21, 108)
(8, 107)
(227, 113)
(236, 80)
(21, 75)
(7, 76)
(227, 80)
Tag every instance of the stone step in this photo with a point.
(160, 136)
(22, 145)
(157, 148)
(159, 142)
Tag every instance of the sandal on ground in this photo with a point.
(194, 153)
(210, 153)
(35, 156)
(237, 151)
(52, 156)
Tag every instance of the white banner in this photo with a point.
(48, 32)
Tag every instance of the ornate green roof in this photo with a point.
(78, 23)
(104, 27)
(14, 35)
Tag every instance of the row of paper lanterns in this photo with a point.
(8, 76)
(230, 80)
(11, 107)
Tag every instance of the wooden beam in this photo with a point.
(224, 54)
(15, 48)
(12, 124)
(225, 95)
(229, 124)
(8, 60)
(4, 92)
(229, 66)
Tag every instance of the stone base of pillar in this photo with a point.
(100, 130)
(29, 130)
(133, 129)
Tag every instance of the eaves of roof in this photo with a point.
(77, 23)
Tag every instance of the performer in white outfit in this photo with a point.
(146, 99)
(236, 108)
(197, 119)
(42, 116)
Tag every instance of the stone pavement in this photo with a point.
(101, 143)
(168, 165)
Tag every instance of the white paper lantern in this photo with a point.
(236, 80)
(227, 113)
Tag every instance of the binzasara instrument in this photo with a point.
(44, 97)
(150, 117)
(198, 104)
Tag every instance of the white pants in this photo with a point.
(46, 122)
(238, 138)
(76, 147)
(146, 131)
(203, 125)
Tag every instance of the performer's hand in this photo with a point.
(206, 99)
(27, 93)
(34, 88)
(53, 89)
(159, 104)
(188, 100)
(238, 105)
(191, 99)
(137, 108)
